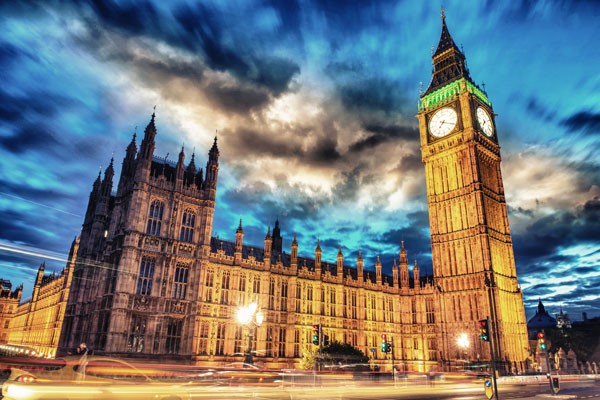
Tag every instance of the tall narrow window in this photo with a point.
(296, 343)
(256, 285)
(225, 288)
(144, 286)
(272, 294)
(203, 343)
(210, 278)
(173, 342)
(429, 311)
(282, 342)
(137, 334)
(220, 350)
(155, 218)
(284, 295)
(269, 342)
(180, 281)
(187, 226)
(238, 342)
(298, 298)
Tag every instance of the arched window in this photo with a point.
(187, 226)
(144, 286)
(180, 281)
(155, 218)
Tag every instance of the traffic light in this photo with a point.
(484, 330)
(316, 334)
(385, 346)
(541, 338)
(325, 340)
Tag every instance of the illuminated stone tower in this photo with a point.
(473, 262)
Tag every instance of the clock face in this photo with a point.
(443, 122)
(485, 122)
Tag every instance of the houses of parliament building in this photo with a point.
(150, 281)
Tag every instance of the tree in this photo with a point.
(344, 353)
(309, 357)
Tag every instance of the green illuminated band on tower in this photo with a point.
(450, 91)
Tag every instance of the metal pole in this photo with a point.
(249, 359)
(549, 370)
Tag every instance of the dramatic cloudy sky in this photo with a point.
(315, 104)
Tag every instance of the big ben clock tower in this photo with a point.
(473, 262)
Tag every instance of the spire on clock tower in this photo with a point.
(448, 61)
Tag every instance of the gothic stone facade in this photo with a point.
(150, 280)
(9, 301)
(37, 322)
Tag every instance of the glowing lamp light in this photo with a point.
(463, 341)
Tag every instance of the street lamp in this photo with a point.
(251, 317)
(463, 343)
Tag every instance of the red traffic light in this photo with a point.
(540, 335)
(383, 337)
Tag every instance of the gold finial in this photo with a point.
(443, 13)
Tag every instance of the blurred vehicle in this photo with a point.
(88, 378)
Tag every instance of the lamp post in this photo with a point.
(463, 343)
(251, 317)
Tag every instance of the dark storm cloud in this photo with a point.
(383, 134)
(253, 142)
(205, 25)
(201, 28)
(35, 103)
(372, 94)
(258, 143)
(29, 137)
(566, 228)
(129, 17)
(587, 121)
(411, 163)
(236, 98)
(540, 110)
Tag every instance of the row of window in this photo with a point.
(155, 216)
(146, 275)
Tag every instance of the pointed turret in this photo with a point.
(239, 241)
(340, 263)
(190, 172)
(107, 183)
(294, 253)
(212, 170)
(378, 271)
(38, 281)
(268, 247)
(239, 236)
(180, 168)
(192, 165)
(40, 273)
(144, 160)
(199, 179)
(404, 281)
(318, 254)
(448, 61)
(147, 146)
(359, 267)
(395, 273)
(277, 239)
(416, 275)
(128, 166)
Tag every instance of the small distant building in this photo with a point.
(541, 320)
(9, 301)
(38, 321)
